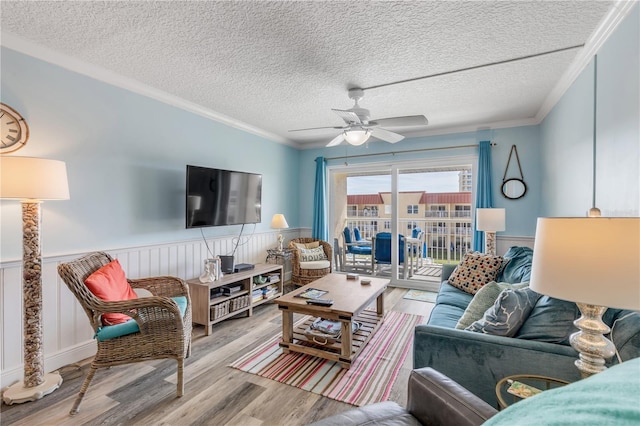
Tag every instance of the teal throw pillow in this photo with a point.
(483, 300)
(507, 314)
(516, 267)
(551, 320)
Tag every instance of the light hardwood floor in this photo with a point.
(144, 393)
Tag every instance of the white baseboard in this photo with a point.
(52, 362)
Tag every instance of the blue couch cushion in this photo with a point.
(551, 320)
(131, 326)
(444, 315)
(516, 267)
(450, 295)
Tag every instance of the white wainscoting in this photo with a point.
(504, 242)
(68, 338)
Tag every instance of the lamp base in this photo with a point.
(18, 393)
(590, 342)
(490, 243)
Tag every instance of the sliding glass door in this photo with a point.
(401, 220)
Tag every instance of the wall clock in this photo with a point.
(14, 131)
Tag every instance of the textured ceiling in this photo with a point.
(277, 66)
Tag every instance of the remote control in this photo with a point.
(320, 302)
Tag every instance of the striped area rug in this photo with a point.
(369, 379)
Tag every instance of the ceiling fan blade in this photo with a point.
(349, 117)
(385, 135)
(406, 121)
(318, 128)
(337, 140)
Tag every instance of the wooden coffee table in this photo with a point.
(350, 298)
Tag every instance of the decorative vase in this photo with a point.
(210, 272)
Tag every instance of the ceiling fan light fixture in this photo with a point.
(357, 137)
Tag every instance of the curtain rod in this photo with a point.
(392, 153)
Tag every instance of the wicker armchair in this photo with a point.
(163, 331)
(301, 276)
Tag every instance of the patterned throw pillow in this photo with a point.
(311, 255)
(475, 270)
(483, 300)
(506, 316)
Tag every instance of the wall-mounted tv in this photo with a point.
(218, 197)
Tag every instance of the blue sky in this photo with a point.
(429, 182)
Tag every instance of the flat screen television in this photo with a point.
(217, 197)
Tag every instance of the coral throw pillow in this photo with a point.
(475, 270)
(109, 283)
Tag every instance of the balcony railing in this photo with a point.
(364, 213)
(446, 214)
(436, 213)
(462, 213)
(445, 242)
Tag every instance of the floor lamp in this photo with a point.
(594, 263)
(490, 221)
(32, 180)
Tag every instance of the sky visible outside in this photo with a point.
(428, 182)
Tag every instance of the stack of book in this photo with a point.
(256, 296)
(269, 291)
(274, 278)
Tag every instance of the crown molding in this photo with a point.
(617, 13)
(38, 51)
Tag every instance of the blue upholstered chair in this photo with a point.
(354, 251)
(421, 249)
(415, 232)
(357, 237)
(381, 254)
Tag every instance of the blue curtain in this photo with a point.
(319, 229)
(484, 190)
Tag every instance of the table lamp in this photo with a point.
(279, 222)
(490, 221)
(594, 263)
(32, 180)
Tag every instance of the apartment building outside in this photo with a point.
(444, 217)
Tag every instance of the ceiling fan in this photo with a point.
(359, 127)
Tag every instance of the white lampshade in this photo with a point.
(28, 178)
(356, 137)
(491, 220)
(594, 261)
(279, 222)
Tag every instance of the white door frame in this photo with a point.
(394, 168)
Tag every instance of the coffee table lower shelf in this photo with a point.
(370, 321)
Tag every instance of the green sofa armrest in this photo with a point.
(478, 361)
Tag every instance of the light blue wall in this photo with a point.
(521, 214)
(126, 156)
(567, 134)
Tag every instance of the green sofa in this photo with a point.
(478, 361)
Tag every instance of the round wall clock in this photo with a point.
(14, 131)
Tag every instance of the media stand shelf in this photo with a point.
(208, 310)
